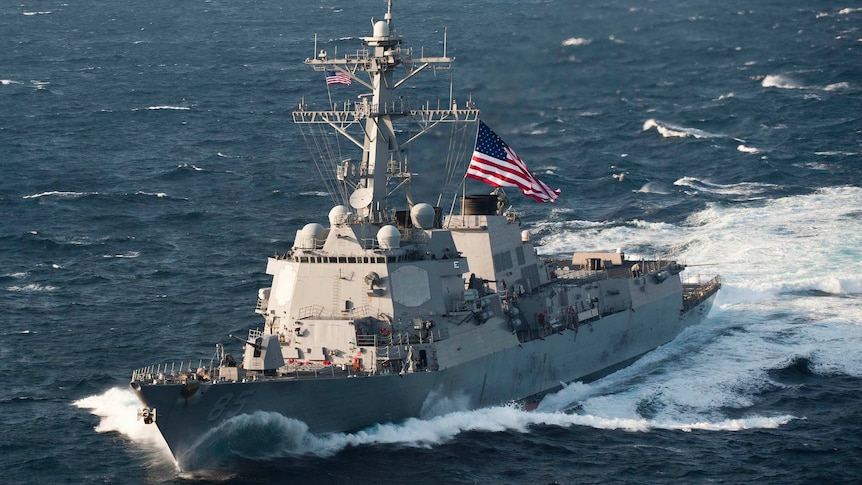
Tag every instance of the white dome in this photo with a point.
(381, 29)
(311, 236)
(423, 216)
(338, 214)
(389, 237)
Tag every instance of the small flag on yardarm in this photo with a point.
(337, 77)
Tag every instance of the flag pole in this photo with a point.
(328, 92)
(464, 179)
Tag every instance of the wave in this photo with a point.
(59, 193)
(742, 188)
(18, 275)
(267, 435)
(159, 195)
(837, 86)
(42, 12)
(185, 165)
(126, 255)
(78, 195)
(653, 188)
(577, 41)
(168, 107)
(747, 149)
(668, 130)
(780, 81)
(31, 288)
(835, 153)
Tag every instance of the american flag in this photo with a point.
(498, 165)
(337, 77)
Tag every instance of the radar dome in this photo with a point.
(338, 214)
(311, 236)
(423, 215)
(381, 29)
(389, 237)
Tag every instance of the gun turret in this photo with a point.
(255, 345)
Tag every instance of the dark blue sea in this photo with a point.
(150, 165)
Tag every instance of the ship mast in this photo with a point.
(382, 154)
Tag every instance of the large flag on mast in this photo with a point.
(498, 165)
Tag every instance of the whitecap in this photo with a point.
(155, 194)
(126, 255)
(316, 193)
(577, 41)
(747, 149)
(780, 82)
(188, 165)
(739, 189)
(813, 166)
(837, 86)
(31, 288)
(168, 107)
(832, 153)
(58, 193)
(668, 130)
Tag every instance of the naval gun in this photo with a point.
(263, 354)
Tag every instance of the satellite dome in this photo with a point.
(389, 237)
(423, 216)
(338, 214)
(311, 236)
(381, 29)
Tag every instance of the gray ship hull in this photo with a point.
(332, 404)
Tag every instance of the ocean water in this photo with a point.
(150, 164)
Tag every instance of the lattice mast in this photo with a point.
(382, 153)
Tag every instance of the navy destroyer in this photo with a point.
(395, 306)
